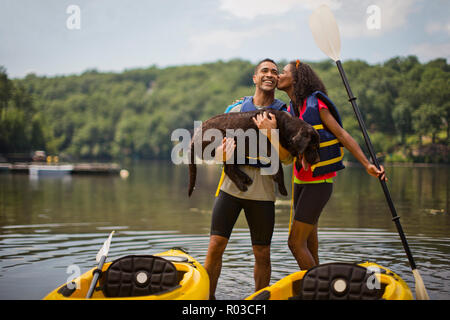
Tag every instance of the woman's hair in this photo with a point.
(306, 81)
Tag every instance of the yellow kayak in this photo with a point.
(170, 275)
(338, 281)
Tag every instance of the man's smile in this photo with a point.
(269, 81)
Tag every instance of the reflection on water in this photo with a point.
(49, 224)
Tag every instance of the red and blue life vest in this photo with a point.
(331, 150)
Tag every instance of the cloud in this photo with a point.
(394, 14)
(437, 27)
(250, 9)
(430, 51)
(231, 40)
(351, 15)
(224, 38)
(354, 15)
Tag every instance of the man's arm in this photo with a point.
(225, 150)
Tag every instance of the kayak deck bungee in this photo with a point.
(170, 275)
(338, 281)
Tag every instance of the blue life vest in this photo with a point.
(331, 150)
(247, 105)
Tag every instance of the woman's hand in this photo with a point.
(373, 171)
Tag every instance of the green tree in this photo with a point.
(427, 121)
(402, 117)
(107, 115)
(5, 89)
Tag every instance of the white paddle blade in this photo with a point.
(326, 31)
(421, 291)
(105, 248)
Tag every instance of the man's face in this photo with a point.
(266, 76)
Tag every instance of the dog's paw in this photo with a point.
(248, 181)
(242, 187)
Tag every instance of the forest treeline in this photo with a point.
(131, 114)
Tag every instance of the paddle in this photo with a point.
(100, 258)
(326, 35)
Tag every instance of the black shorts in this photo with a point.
(310, 199)
(260, 217)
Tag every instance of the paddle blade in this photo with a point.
(326, 31)
(105, 248)
(421, 291)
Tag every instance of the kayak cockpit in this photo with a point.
(166, 276)
(338, 281)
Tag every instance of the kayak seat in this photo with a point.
(338, 281)
(139, 275)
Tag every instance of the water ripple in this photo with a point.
(42, 258)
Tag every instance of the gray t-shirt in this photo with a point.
(263, 186)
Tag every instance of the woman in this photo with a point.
(313, 185)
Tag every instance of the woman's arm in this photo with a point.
(350, 144)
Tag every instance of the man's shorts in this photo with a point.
(260, 217)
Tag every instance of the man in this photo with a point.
(258, 201)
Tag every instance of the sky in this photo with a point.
(57, 37)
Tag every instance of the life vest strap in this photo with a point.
(220, 182)
(328, 143)
(318, 127)
(292, 196)
(327, 162)
(263, 160)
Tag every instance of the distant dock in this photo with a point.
(61, 168)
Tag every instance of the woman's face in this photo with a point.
(285, 80)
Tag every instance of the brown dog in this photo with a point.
(295, 135)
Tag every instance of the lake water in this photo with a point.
(51, 223)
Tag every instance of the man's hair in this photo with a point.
(262, 61)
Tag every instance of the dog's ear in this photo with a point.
(301, 141)
(298, 165)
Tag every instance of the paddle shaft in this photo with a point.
(95, 277)
(369, 145)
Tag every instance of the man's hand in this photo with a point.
(225, 150)
(265, 121)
